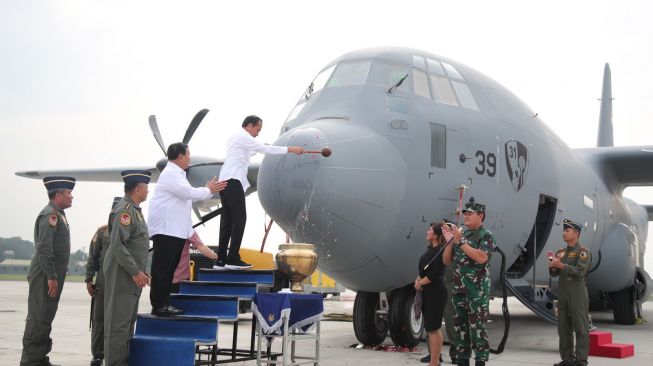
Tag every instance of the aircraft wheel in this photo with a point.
(405, 330)
(370, 329)
(624, 306)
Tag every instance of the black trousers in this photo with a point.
(165, 259)
(232, 220)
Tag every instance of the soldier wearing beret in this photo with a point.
(47, 272)
(570, 264)
(470, 261)
(96, 252)
(124, 267)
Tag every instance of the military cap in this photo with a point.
(58, 182)
(474, 207)
(136, 176)
(566, 223)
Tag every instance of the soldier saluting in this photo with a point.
(47, 272)
(571, 265)
(124, 267)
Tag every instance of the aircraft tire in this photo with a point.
(369, 328)
(624, 306)
(405, 331)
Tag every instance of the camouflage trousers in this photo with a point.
(470, 305)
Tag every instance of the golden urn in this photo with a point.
(296, 261)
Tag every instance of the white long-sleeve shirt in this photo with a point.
(240, 147)
(171, 204)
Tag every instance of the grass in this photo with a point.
(20, 277)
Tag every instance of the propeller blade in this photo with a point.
(157, 135)
(194, 124)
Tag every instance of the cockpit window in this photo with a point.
(452, 72)
(348, 74)
(435, 67)
(421, 84)
(321, 79)
(464, 95)
(387, 76)
(442, 91)
(418, 62)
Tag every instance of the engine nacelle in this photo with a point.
(614, 269)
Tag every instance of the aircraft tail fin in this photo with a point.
(605, 137)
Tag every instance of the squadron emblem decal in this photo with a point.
(516, 163)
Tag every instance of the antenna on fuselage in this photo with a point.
(605, 137)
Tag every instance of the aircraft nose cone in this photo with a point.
(346, 203)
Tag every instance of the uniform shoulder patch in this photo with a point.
(584, 253)
(560, 252)
(52, 220)
(125, 219)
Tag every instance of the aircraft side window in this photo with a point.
(418, 62)
(435, 67)
(438, 145)
(452, 72)
(421, 84)
(442, 91)
(398, 104)
(464, 95)
(387, 76)
(293, 114)
(348, 74)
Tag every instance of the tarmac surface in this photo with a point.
(532, 341)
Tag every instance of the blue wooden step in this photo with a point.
(262, 277)
(197, 329)
(244, 290)
(157, 351)
(212, 306)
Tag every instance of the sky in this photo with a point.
(78, 79)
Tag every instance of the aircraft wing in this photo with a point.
(88, 175)
(622, 166)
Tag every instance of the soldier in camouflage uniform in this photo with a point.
(96, 253)
(124, 267)
(571, 265)
(47, 272)
(471, 284)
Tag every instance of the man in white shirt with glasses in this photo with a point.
(240, 147)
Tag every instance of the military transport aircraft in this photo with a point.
(407, 129)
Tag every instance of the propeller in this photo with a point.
(194, 124)
(157, 134)
(192, 127)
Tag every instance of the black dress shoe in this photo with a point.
(46, 362)
(96, 361)
(564, 363)
(167, 311)
(425, 359)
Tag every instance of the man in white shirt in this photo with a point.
(240, 147)
(169, 223)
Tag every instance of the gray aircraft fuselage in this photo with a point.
(400, 155)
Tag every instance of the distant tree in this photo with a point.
(79, 255)
(22, 249)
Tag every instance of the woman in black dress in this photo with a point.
(434, 294)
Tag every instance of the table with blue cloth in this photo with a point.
(291, 317)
